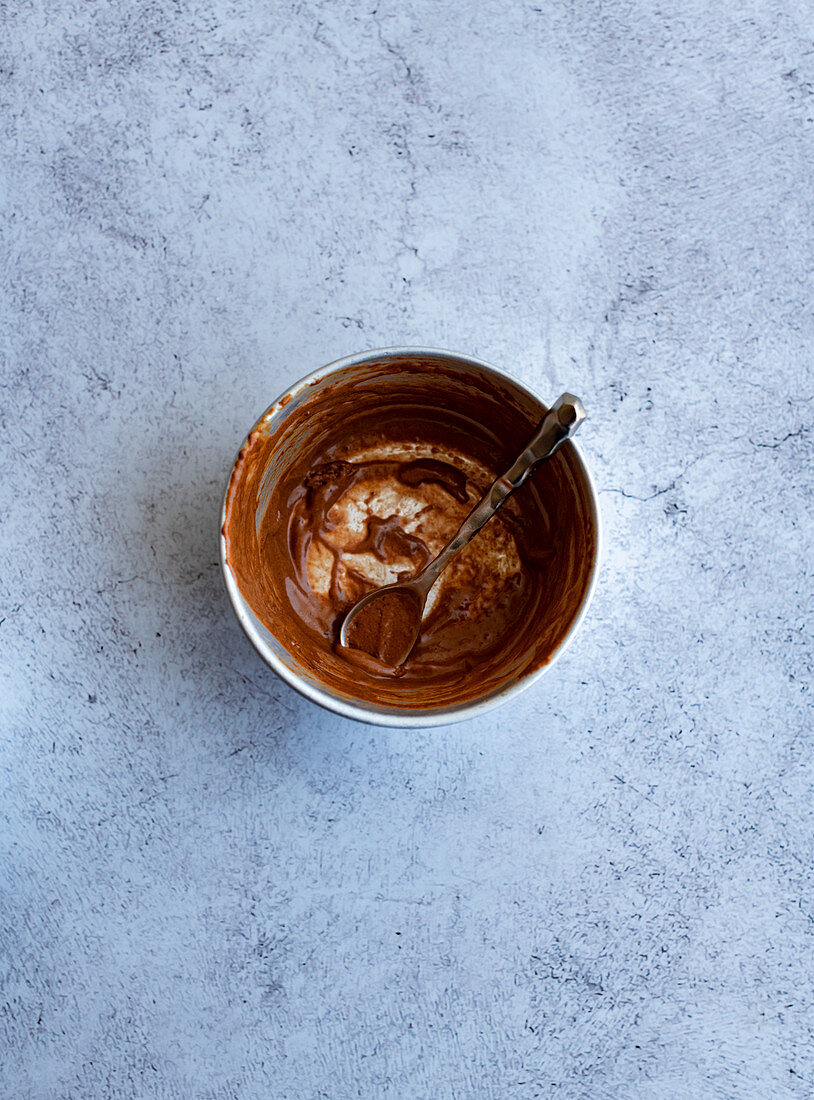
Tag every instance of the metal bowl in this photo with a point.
(264, 641)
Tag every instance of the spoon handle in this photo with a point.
(559, 423)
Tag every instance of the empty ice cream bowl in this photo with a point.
(355, 478)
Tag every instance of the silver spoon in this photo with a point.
(560, 422)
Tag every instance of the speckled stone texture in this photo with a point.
(210, 888)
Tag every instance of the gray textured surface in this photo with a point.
(210, 888)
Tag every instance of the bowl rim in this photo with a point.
(409, 717)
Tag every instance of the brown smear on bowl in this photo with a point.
(361, 484)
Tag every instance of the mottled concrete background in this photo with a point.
(211, 889)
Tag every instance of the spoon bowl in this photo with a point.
(386, 623)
